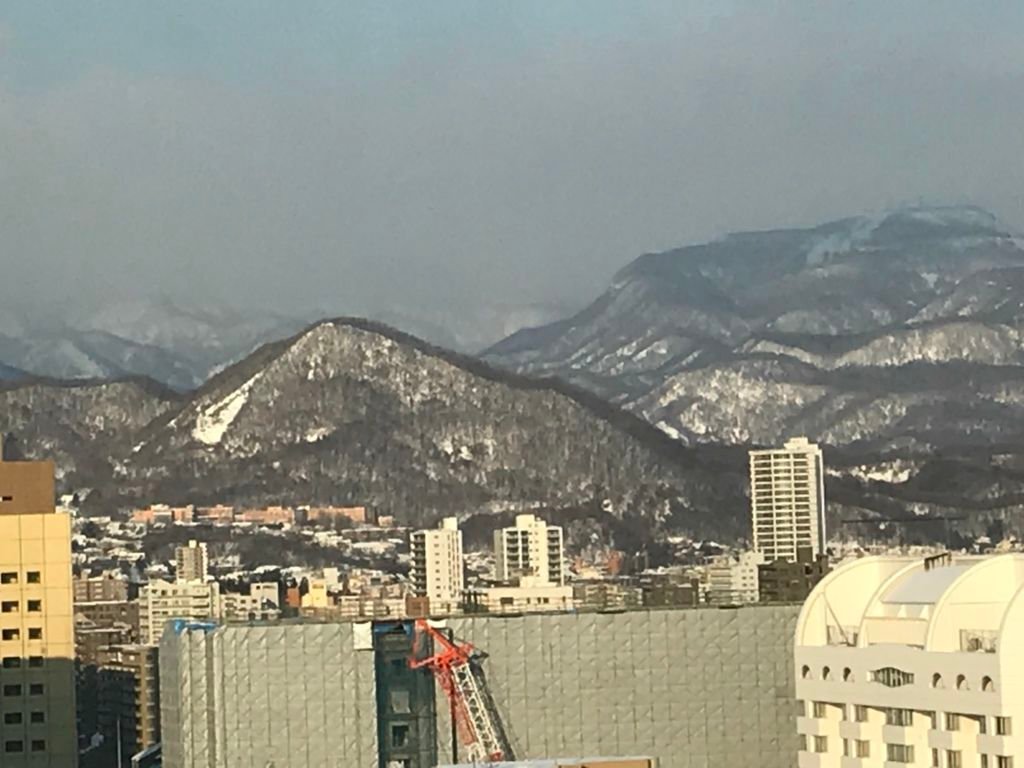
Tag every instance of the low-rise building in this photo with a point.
(913, 661)
(330, 515)
(782, 581)
(528, 596)
(733, 579)
(105, 587)
(267, 516)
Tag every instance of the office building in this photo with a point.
(437, 567)
(530, 548)
(782, 581)
(787, 500)
(191, 562)
(917, 662)
(693, 687)
(160, 601)
(37, 640)
(103, 588)
(129, 697)
(733, 580)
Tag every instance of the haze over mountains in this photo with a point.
(895, 340)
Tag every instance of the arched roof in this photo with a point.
(934, 603)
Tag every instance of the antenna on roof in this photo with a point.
(938, 561)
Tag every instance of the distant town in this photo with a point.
(137, 586)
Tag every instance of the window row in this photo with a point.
(953, 721)
(15, 662)
(16, 689)
(12, 606)
(16, 718)
(11, 577)
(14, 633)
(892, 677)
(14, 746)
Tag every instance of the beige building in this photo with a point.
(437, 566)
(531, 548)
(904, 661)
(733, 580)
(191, 562)
(37, 639)
(530, 595)
(787, 500)
(129, 696)
(160, 601)
(103, 588)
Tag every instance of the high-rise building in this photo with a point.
(911, 661)
(160, 601)
(129, 696)
(787, 500)
(191, 562)
(37, 639)
(530, 548)
(437, 567)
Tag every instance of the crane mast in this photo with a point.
(456, 667)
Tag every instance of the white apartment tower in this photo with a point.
(531, 548)
(903, 661)
(787, 500)
(191, 563)
(437, 567)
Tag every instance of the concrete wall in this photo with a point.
(291, 696)
(698, 687)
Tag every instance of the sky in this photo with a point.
(435, 157)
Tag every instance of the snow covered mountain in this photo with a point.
(351, 411)
(899, 331)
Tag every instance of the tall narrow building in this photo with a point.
(191, 563)
(530, 548)
(787, 500)
(437, 567)
(37, 639)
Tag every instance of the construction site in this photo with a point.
(683, 688)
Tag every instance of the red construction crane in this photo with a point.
(456, 666)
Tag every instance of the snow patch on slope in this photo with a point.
(213, 422)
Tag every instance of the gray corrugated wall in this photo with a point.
(291, 696)
(705, 687)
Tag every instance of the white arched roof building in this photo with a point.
(910, 661)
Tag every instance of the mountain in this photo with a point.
(350, 411)
(888, 333)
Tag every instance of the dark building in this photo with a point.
(783, 581)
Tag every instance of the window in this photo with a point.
(10, 634)
(35, 606)
(846, 748)
(802, 741)
(937, 681)
(35, 689)
(33, 577)
(12, 689)
(12, 662)
(1004, 762)
(826, 673)
(961, 683)
(399, 735)
(899, 717)
(12, 718)
(35, 633)
(863, 748)
(899, 753)
(35, 661)
(954, 759)
(986, 684)
(14, 746)
(984, 761)
(37, 718)
(1004, 727)
(9, 606)
(892, 677)
(860, 713)
(952, 721)
(982, 724)
(819, 709)
(847, 675)
(9, 577)
(935, 759)
(400, 702)
(805, 673)
(38, 745)
(821, 744)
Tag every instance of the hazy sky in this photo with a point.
(375, 155)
